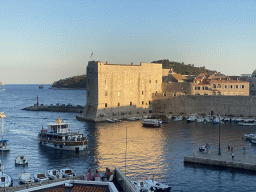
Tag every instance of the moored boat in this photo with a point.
(40, 176)
(59, 136)
(4, 145)
(151, 123)
(67, 172)
(178, 118)
(21, 160)
(26, 178)
(54, 174)
(191, 118)
(249, 136)
(6, 180)
(150, 185)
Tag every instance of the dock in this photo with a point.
(241, 160)
(56, 108)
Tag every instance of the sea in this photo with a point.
(137, 151)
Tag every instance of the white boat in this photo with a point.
(54, 174)
(249, 121)
(151, 123)
(110, 120)
(249, 136)
(254, 141)
(40, 176)
(200, 119)
(117, 120)
(208, 119)
(59, 136)
(178, 118)
(5, 147)
(6, 180)
(150, 185)
(226, 119)
(67, 172)
(26, 178)
(191, 118)
(132, 119)
(21, 160)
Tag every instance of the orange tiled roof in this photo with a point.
(228, 81)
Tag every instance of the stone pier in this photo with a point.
(241, 160)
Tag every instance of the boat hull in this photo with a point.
(69, 146)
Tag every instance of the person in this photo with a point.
(97, 174)
(108, 173)
(228, 148)
(244, 150)
(89, 175)
(233, 155)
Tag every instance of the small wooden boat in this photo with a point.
(26, 178)
(111, 121)
(21, 160)
(40, 176)
(67, 172)
(54, 174)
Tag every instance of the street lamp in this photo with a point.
(219, 153)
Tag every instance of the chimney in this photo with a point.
(106, 62)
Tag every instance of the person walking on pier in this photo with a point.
(233, 155)
(228, 148)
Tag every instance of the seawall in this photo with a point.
(72, 109)
(203, 104)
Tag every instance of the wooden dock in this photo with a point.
(241, 160)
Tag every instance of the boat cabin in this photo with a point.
(58, 127)
(3, 143)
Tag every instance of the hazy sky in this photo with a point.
(43, 41)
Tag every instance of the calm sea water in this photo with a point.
(159, 151)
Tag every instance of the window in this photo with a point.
(225, 86)
(118, 104)
(130, 103)
(236, 86)
(252, 85)
(231, 86)
(213, 86)
(206, 88)
(156, 81)
(142, 92)
(118, 94)
(149, 81)
(242, 86)
(197, 88)
(164, 93)
(142, 102)
(219, 86)
(106, 105)
(106, 94)
(149, 102)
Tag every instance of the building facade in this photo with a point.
(119, 91)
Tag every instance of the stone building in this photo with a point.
(119, 91)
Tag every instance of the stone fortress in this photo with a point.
(117, 91)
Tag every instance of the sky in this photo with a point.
(45, 41)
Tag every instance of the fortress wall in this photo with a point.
(201, 104)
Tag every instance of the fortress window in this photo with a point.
(142, 102)
(205, 88)
(236, 86)
(225, 86)
(118, 104)
(231, 86)
(142, 92)
(106, 94)
(242, 86)
(164, 93)
(149, 102)
(213, 86)
(149, 81)
(130, 103)
(106, 105)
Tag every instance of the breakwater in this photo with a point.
(241, 160)
(56, 108)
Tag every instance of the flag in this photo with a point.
(91, 55)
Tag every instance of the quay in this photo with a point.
(56, 108)
(241, 160)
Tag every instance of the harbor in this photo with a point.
(149, 150)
